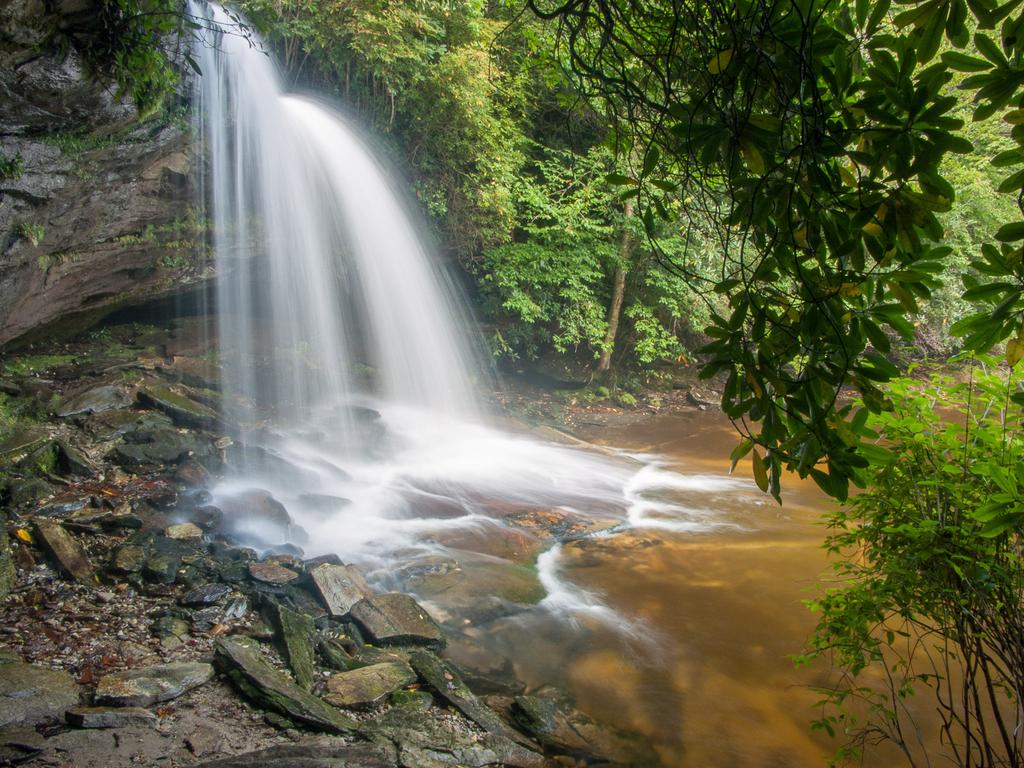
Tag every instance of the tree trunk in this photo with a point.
(604, 363)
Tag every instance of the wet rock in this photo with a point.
(22, 492)
(95, 400)
(31, 695)
(150, 685)
(272, 573)
(205, 620)
(267, 687)
(556, 724)
(333, 655)
(172, 631)
(111, 717)
(422, 741)
(236, 609)
(368, 686)
(129, 558)
(62, 508)
(184, 531)
(162, 567)
(193, 474)
(296, 632)
(309, 756)
(207, 517)
(340, 586)
(207, 594)
(445, 679)
(396, 619)
(19, 744)
(66, 551)
(71, 461)
(182, 410)
(257, 518)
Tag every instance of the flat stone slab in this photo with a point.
(267, 687)
(184, 531)
(308, 756)
(95, 400)
(31, 695)
(110, 717)
(340, 586)
(206, 594)
(368, 686)
(65, 549)
(296, 631)
(272, 573)
(395, 618)
(150, 685)
(183, 411)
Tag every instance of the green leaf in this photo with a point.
(760, 470)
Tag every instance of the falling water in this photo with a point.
(320, 269)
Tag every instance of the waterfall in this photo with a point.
(320, 266)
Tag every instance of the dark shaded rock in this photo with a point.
(368, 686)
(308, 756)
(31, 695)
(205, 594)
(96, 400)
(19, 744)
(205, 620)
(193, 474)
(267, 687)
(182, 410)
(340, 586)
(150, 685)
(171, 630)
(272, 573)
(129, 558)
(66, 551)
(396, 619)
(61, 508)
(333, 654)
(296, 633)
(445, 679)
(71, 461)
(21, 492)
(557, 725)
(422, 741)
(110, 717)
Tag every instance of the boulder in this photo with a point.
(340, 586)
(396, 619)
(267, 687)
(272, 573)
(295, 632)
(368, 686)
(182, 410)
(66, 551)
(32, 695)
(150, 685)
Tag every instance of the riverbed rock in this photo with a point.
(257, 519)
(66, 551)
(368, 686)
(18, 744)
(340, 586)
(296, 633)
(111, 717)
(182, 410)
(308, 756)
(272, 573)
(559, 726)
(150, 685)
(128, 558)
(184, 531)
(106, 397)
(33, 695)
(395, 618)
(206, 594)
(240, 660)
(71, 461)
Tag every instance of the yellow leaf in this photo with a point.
(873, 229)
(760, 470)
(752, 157)
(847, 176)
(1014, 351)
(24, 535)
(720, 61)
(800, 237)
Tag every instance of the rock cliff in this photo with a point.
(96, 205)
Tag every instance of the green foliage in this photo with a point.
(34, 232)
(931, 572)
(11, 168)
(28, 365)
(819, 137)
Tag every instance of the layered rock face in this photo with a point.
(95, 205)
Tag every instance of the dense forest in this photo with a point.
(817, 206)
